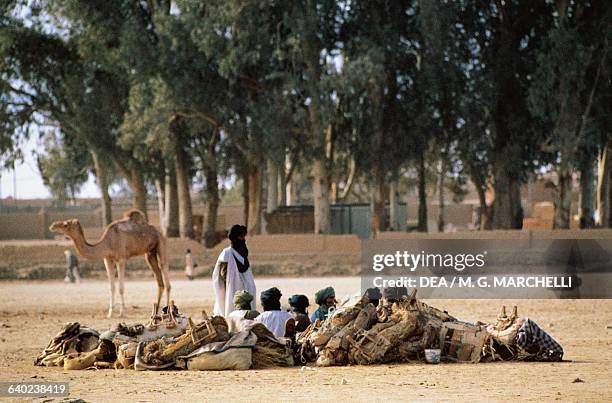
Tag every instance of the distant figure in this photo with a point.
(189, 265)
(275, 320)
(299, 304)
(242, 306)
(72, 268)
(326, 299)
(232, 272)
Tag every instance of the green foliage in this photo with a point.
(64, 167)
(236, 82)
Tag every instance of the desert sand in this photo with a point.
(33, 312)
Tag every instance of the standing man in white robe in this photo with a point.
(233, 272)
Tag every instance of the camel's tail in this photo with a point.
(135, 216)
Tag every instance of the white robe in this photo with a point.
(275, 321)
(235, 281)
(235, 319)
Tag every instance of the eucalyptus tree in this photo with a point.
(165, 56)
(64, 167)
(311, 47)
(565, 87)
(380, 56)
(504, 38)
(247, 40)
(51, 67)
(441, 34)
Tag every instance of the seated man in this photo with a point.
(298, 304)
(272, 317)
(373, 295)
(326, 299)
(242, 311)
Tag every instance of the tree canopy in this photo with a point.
(324, 101)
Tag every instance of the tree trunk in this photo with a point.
(441, 176)
(245, 195)
(394, 220)
(587, 192)
(350, 180)
(171, 211)
(563, 200)
(102, 179)
(161, 205)
(508, 109)
(212, 204)
(320, 139)
(376, 144)
(333, 192)
(139, 190)
(133, 175)
(604, 180)
(378, 223)
(272, 194)
(282, 186)
(507, 210)
(422, 224)
(320, 190)
(255, 208)
(291, 192)
(212, 190)
(183, 192)
(485, 211)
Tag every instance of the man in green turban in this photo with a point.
(326, 299)
(242, 311)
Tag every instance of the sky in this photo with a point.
(28, 180)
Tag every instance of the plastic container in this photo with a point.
(432, 355)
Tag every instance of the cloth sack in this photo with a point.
(234, 354)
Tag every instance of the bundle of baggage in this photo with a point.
(400, 328)
(170, 341)
(368, 329)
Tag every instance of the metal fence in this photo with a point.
(345, 219)
(356, 218)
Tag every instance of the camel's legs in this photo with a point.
(163, 264)
(166, 277)
(110, 272)
(153, 263)
(121, 268)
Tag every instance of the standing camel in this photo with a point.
(122, 239)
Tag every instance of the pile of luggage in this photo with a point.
(401, 328)
(361, 331)
(174, 341)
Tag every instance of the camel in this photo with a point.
(122, 239)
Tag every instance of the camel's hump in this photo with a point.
(135, 216)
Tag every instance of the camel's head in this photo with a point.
(67, 227)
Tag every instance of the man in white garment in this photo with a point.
(232, 272)
(243, 312)
(273, 317)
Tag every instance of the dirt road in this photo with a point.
(32, 312)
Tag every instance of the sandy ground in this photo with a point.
(32, 312)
